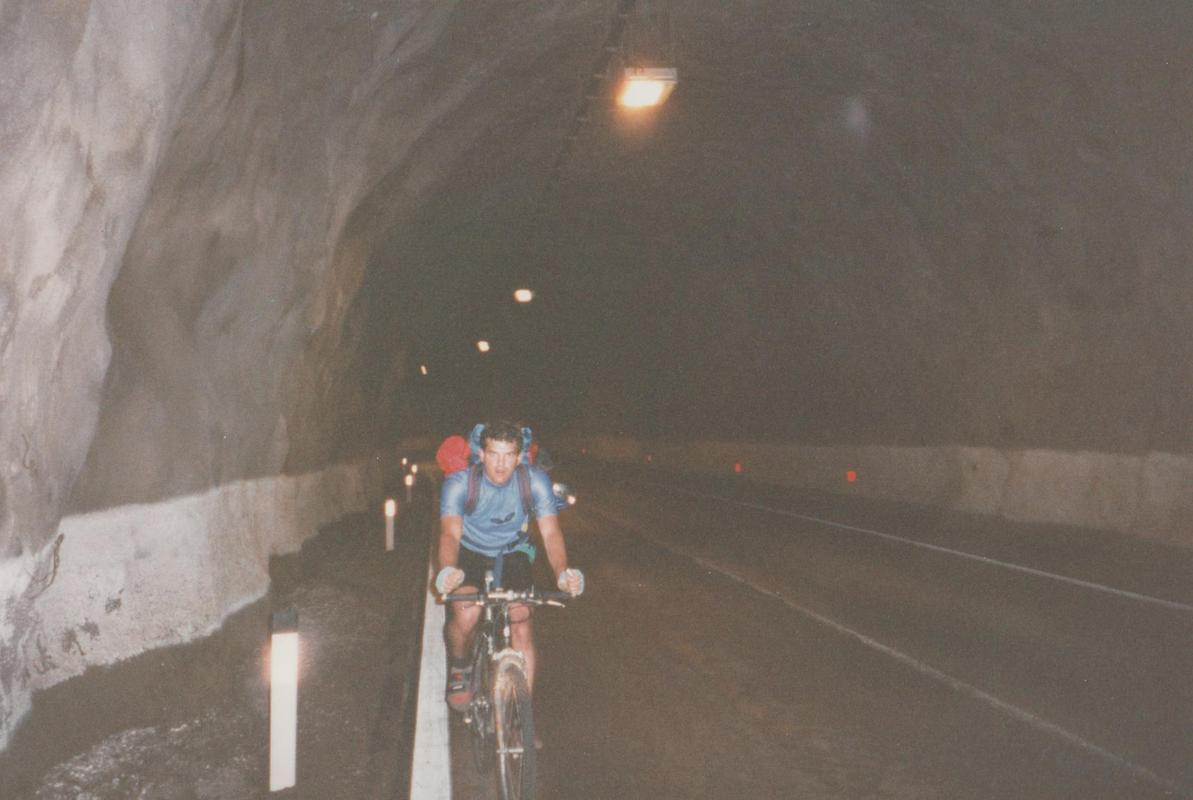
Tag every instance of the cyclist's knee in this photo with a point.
(464, 615)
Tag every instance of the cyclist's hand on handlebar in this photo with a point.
(571, 581)
(448, 580)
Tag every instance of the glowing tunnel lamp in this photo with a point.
(483, 346)
(523, 295)
(646, 87)
(422, 369)
(405, 461)
(391, 511)
(283, 700)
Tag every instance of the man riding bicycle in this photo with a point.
(487, 529)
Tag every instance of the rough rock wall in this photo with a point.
(92, 94)
(190, 198)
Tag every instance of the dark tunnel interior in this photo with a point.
(250, 246)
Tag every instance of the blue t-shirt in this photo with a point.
(499, 517)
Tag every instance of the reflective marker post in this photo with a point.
(391, 511)
(409, 488)
(283, 700)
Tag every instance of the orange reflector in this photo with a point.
(737, 467)
(851, 475)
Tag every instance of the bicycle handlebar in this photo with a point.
(505, 596)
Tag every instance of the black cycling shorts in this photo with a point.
(516, 571)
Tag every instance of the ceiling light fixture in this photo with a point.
(646, 87)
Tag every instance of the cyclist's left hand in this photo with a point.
(572, 582)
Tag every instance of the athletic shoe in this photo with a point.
(459, 688)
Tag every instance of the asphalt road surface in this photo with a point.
(734, 642)
(739, 642)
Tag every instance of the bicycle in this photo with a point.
(499, 718)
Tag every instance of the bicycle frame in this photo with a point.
(499, 716)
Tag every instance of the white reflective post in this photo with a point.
(414, 469)
(409, 487)
(283, 701)
(391, 511)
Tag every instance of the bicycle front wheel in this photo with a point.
(515, 731)
(480, 714)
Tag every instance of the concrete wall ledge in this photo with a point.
(1148, 495)
(128, 579)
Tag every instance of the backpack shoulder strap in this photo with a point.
(523, 473)
(474, 489)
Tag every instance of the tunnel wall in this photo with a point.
(191, 332)
(1144, 495)
(188, 201)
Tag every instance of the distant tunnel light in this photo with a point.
(483, 346)
(523, 295)
(646, 87)
(423, 369)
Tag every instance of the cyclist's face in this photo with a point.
(499, 460)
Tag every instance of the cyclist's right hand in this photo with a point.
(448, 580)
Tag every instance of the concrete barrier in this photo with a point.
(129, 579)
(1149, 495)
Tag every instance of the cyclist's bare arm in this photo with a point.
(451, 529)
(557, 554)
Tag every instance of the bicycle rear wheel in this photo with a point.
(514, 722)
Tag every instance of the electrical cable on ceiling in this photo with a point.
(592, 88)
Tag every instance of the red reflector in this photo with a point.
(737, 467)
(851, 475)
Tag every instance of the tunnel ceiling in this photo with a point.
(237, 229)
(913, 224)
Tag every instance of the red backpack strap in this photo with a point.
(474, 489)
(523, 473)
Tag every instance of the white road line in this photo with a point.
(1021, 714)
(430, 774)
(1039, 573)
